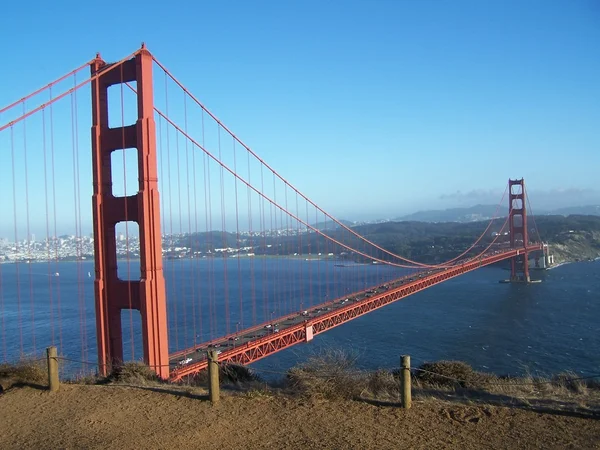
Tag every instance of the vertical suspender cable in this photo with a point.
(55, 240)
(2, 320)
(252, 250)
(224, 253)
(74, 169)
(80, 288)
(276, 244)
(175, 322)
(308, 258)
(17, 269)
(196, 274)
(263, 226)
(29, 258)
(326, 255)
(48, 247)
(289, 276)
(190, 245)
(211, 246)
(318, 240)
(237, 230)
(301, 280)
(273, 241)
(163, 228)
(181, 284)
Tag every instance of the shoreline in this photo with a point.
(341, 262)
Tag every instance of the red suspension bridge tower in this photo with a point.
(147, 295)
(519, 265)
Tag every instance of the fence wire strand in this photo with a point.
(336, 373)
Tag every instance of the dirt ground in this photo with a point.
(81, 416)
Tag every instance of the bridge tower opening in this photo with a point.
(519, 237)
(112, 295)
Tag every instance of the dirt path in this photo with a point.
(122, 417)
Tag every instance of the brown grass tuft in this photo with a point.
(235, 373)
(133, 373)
(383, 384)
(569, 381)
(451, 374)
(229, 374)
(25, 372)
(329, 375)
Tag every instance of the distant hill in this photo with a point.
(331, 225)
(589, 210)
(471, 214)
(486, 212)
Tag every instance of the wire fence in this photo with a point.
(511, 383)
(437, 374)
(93, 367)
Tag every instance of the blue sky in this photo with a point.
(371, 108)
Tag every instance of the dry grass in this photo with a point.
(86, 379)
(333, 375)
(24, 372)
(450, 374)
(457, 374)
(236, 374)
(259, 392)
(452, 380)
(569, 381)
(330, 374)
(136, 373)
(229, 375)
(383, 385)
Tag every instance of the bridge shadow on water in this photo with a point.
(480, 398)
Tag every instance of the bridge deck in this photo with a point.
(263, 340)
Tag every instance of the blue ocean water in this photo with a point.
(542, 328)
(515, 329)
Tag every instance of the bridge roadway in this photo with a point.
(255, 343)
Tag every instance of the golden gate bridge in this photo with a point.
(221, 207)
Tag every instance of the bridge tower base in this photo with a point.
(544, 261)
(113, 295)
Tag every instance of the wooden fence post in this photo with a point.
(213, 375)
(405, 390)
(52, 361)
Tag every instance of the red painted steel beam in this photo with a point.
(225, 337)
(112, 294)
(254, 350)
(261, 326)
